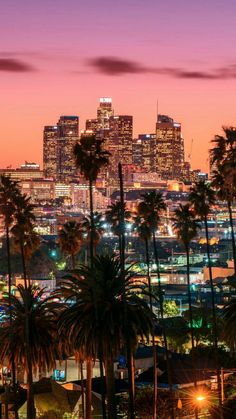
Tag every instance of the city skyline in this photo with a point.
(136, 54)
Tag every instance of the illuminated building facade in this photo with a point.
(120, 141)
(58, 144)
(50, 136)
(169, 148)
(144, 152)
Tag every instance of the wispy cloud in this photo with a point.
(15, 66)
(114, 66)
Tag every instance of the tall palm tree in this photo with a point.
(223, 160)
(144, 232)
(28, 306)
(186, 227)
(152, 208)
(98, 294)
(202, 198)
(113, 217)
(69, 239)
(8, 190)
(90, 158)
(24, 237)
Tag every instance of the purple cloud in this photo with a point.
(114, 66)
(14, 65)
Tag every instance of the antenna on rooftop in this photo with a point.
(157, 110)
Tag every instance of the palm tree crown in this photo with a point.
(70, 238)
(97, 314)
(86, 227)
(42, 314)
(185, 224)
(113, 217)
(151, 208)
(202, 197)
(90, 157)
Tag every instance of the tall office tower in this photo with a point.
(148, 151)
(50, 140)
(119, 143)
(137, 152)
(58, 146)
(104, 112)
(169, 148)
(68, 135)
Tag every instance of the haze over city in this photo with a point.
(59, 60)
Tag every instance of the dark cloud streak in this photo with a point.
(114, 66)
(15, 66)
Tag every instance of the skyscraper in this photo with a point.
(58, 144)
(148, 145)
(50, 140)
(120, 141)
(104, 112)
(169, 148)
(68, 135)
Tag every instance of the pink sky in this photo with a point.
(51, 63)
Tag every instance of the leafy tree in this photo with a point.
(170, 308)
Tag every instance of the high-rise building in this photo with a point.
(58, 145)
(169, 148)
(120, 141)
(50, 144)
(68, 135)
(104, 112)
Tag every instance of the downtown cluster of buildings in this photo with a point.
(160, 154)
(150, 161)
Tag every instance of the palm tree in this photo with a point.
(202, 198)
(9, 189)
(113, 217)
(69, 239)
(90, 158)
(223, 159)
(98, 226)
(186, 227)
(97, 316)
(29, 307)
(24, 236)
(142, 227)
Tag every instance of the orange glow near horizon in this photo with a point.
(52, 63)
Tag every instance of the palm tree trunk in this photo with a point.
(215, 334)
(111, 402)
(168, 361)
(89, 362)
(13, 367)
(232, 234)
(92, 221)
(30, 394)
(89, 372)
(82, 387)
(130, 365)
(153, 333)
(191, 325)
